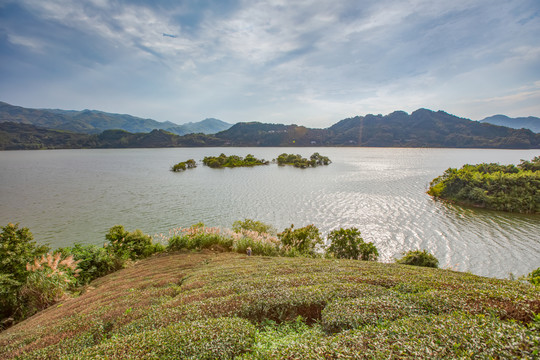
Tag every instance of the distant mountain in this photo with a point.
(19, 136)
(94, 122)
(532, 123)
(206, 126)
(422, 128)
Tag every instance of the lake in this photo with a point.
(70, 196)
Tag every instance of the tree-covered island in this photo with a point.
(232, 161)
(183, 165)
(296, 160)
(492, 186)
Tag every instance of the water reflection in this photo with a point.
(76, 195)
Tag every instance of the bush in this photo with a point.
(534, 277)
(198, 237)
(48, 281)
(132, 245)
(304, 240)
(253, 225)
(94, 261)
(419, 258)
(347, 244)
(17, 248)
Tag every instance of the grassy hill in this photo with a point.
(210, 305)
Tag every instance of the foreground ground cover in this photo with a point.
(208, 305)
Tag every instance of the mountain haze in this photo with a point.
(532, 123)
(421, 128)
(94, 121)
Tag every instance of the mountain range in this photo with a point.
(532, 123)
(37, 129)
(95, 122)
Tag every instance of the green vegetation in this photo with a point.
(32, 278)
(213, 305)
(348, 244)
(422, 128)
(301, 241)
(223, 160)
(17, 248)
(181, 166)
(253, 225)
(419, 258)
(534, 277)
(197, 298)
(298, 161)
(499, 187)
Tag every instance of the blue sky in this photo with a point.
(309, 62)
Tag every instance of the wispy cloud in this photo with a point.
(269, 59)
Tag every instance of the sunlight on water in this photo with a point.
(69, 196)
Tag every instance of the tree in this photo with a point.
(17, 248)
(348, 244)
(134, 245)
(304, 240)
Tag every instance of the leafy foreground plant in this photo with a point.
(419, 258)
(224, 305)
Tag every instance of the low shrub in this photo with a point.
(94, 261)
(369, 310)
(198, 237)
(449, 336)
(222, 338)
(534, 277)
(419, 258)
(132, 245)
(48, 281)
(253, 225)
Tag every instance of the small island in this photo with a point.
(181, 166)
(298, 161)
(499, 187)
(232, 161)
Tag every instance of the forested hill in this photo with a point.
(95, 122)
(422, 128)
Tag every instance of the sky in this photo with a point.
(307, 62)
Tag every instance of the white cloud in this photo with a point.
(32, 43)
(282, 59)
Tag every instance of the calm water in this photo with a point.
(68, 196)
